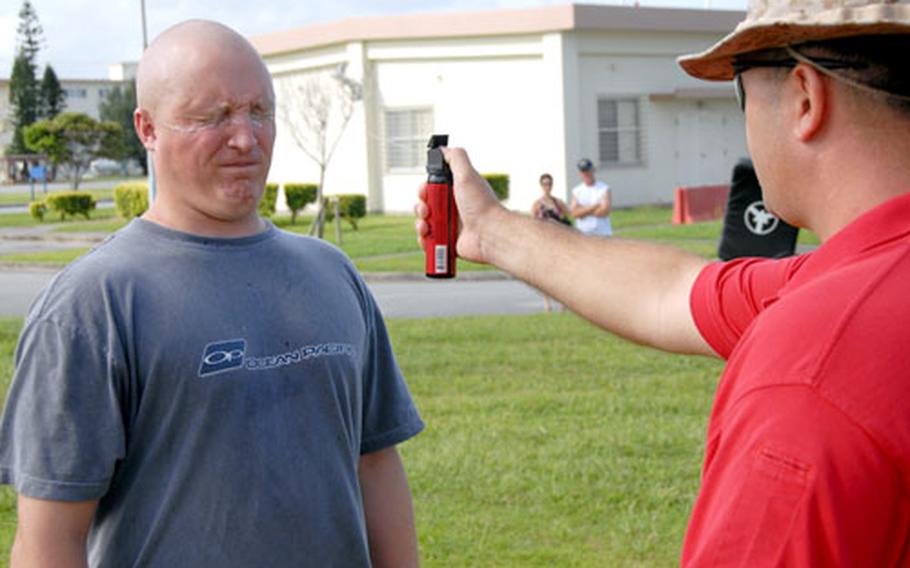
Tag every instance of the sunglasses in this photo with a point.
(740, 66)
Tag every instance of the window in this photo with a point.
(619, 131)
(76, 93)
(103, 92)
(406, 135)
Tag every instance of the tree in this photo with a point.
(30, 32)
(23, 99)
(75, 139)
(118, 107)
(24, 92)
(324, 106)
(52, 96)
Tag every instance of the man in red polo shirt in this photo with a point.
(808, 451)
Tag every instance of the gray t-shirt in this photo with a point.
(214, 394)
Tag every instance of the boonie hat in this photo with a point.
(779, 23)
(585, 165)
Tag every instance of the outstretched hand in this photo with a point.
(477, 206)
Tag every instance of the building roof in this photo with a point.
(568, 17)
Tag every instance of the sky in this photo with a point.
(82, 38)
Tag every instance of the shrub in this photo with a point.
(298, 196)
(352, 206)
(37, 209)
(131, 199)
(500, 184)
(71, 203)
(269, 200)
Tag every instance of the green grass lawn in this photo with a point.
(548, 442)
(386, 243)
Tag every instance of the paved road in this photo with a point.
(408, 299)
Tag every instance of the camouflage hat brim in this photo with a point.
(779, 30)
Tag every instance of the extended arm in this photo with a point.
(51, 534)
(388, 510)
(635, 289)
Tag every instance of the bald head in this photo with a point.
(188, 53)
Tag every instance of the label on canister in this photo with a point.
(442, 259)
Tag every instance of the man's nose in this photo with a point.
(242, 131)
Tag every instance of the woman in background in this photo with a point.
(550, 208)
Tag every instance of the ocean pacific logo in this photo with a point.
(221, 356)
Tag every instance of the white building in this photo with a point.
(525, 91)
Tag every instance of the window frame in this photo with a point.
(415, 138)
(638, 130)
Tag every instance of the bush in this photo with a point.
(352, 206)
(71, 203)
(131, 199)
(499, 183)
(299, 195)
(269, 200)
(37, 209)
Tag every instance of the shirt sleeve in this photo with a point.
(727, 296)
(62, 431)
(389, 413)
(791, 481)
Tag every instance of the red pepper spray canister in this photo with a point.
(443, 218)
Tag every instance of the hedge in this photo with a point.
(37, 209)
(269, 200)
(131, 199)
(352, 206)
(499, 183)
(70, 203)
(299, 195)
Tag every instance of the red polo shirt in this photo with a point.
(808, 451)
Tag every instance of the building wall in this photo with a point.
(522, 105)
(500, 108)
(86, 96)
(675, 132)
(494, 97)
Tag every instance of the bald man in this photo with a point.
(203, 389)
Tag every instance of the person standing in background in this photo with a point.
(550, 208)
(591, 202)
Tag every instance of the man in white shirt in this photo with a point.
(591, 202)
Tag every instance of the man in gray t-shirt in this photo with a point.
(203, 389)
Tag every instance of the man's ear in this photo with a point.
(812, 100)
(145, 129)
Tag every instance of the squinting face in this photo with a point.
(215, 134)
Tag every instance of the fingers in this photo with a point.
(421, 212)
(458, 161)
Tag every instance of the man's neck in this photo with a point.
(853, 183)
(198, 223)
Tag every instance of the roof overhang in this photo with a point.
(568, 17)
